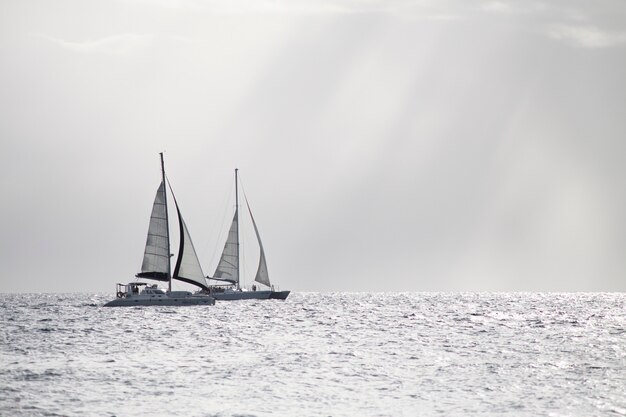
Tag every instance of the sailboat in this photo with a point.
(228, 267)
(157, 262)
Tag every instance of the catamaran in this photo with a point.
(228, 267)
(157, 262)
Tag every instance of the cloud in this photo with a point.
(121, 44)
(247, 6)
(423, 9)
(586, 36)
(498, 7)
(509, 7)
(567, 22)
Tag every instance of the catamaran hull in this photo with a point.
(162, 301)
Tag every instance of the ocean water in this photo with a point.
(316, 354)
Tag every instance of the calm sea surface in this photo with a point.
(328, 354)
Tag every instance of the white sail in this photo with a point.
(261, 274)
(188, 267)
(156, 257)
(227, 267)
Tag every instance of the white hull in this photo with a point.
(129, 296)
(241, 295)
(232, 295)
(193, 300)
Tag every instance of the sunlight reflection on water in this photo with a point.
(339, 354)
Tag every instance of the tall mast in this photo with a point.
(167, 225)
(237, 220)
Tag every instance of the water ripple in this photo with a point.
(336, 354)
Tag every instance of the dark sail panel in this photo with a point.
(158, 276)
(187, 267)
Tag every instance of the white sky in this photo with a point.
(384, 145)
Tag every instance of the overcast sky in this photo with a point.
(384, 145)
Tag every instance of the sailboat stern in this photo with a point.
(279, 295)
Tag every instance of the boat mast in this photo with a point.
(167, 224)
(237, 220)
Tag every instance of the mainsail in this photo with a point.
(261, 273)
(227, 268)
(156, 257)
(187, 267)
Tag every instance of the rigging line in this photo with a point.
(225, 219)
(180, 236)
(205, 245)
(178, 215)
(245, 196)
(243, 270)
(243, 190)
(243, 242)
(256, 231)
(180, 226)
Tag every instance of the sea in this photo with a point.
(316, 354)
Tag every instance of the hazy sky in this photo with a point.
(384, 145)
